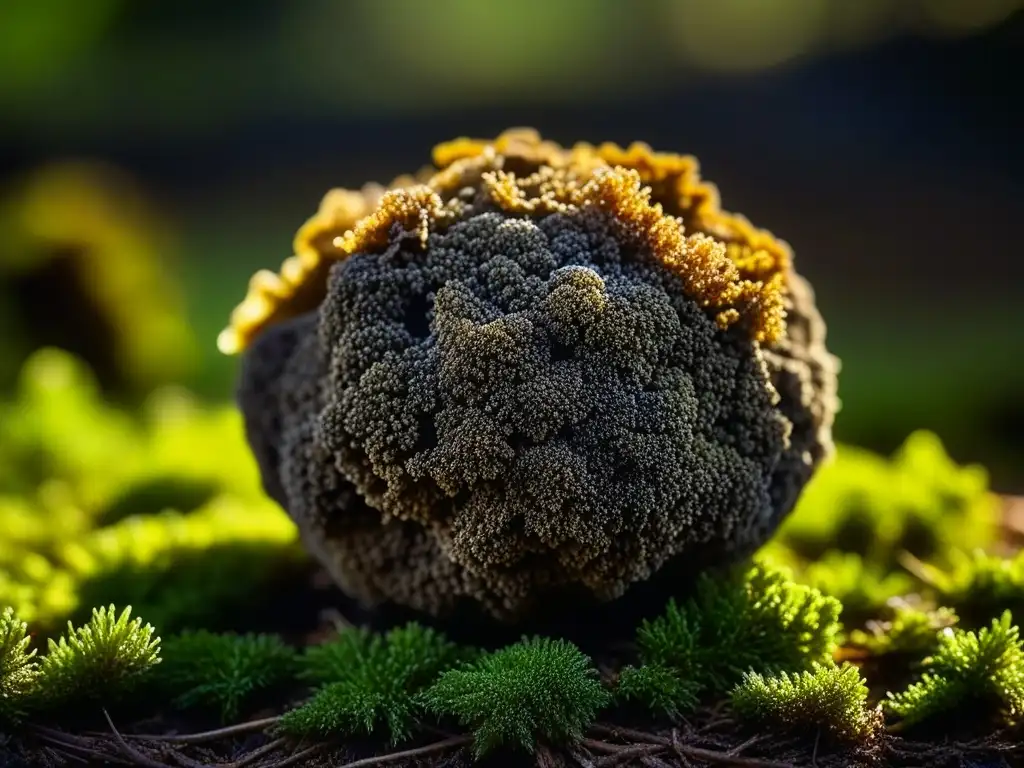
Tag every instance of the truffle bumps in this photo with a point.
(538, 371)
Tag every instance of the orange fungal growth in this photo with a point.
(656, 202)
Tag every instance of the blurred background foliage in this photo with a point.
(154, 155)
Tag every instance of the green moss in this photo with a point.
(918, 500)
(161, 509)
(187, 571)
(536, 689)
(223, 672)
(826, 697)
(757, 619)
(660, 689)
(978, 585)
(369, 683)
(911, 630)
(972, 675)
(18, 667)
(864, 588)
(98, 662)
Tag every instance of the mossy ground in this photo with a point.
(178, 528)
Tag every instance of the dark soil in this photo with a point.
(709, 738)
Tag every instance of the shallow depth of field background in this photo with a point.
(881, 139)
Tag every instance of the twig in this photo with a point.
(188, 762)
(917, 568)
(698, 753)
(749, 742)
(678, 747)
(629, 733)
(439, 746)
(197, 738)
(129, 751)
(256, 753)
(294, 758)
(814, 754)
(89, 751)
(583, 760)
(68, 738)
(624, 753)
(63, 755)
(654, 762)
(723, 758)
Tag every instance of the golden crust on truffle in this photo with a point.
(731, 268)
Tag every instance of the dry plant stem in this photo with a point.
(67, 738)
(678, 747)
(198, 738)
(129, 751)
(655, 762)
(623, 753)
(916, 568)
(69, 748)
(266, 749)
(748, 743)
(307, 752)
(187, 762)
(61, 755)
(698, 753)
(581, 759)
(438, 746)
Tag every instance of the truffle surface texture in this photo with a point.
(508, 389)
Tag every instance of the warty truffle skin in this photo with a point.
(525, 377)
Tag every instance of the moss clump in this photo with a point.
(911, 630)
(757, 619)
(369, 683)
(919, 500)
(661, 689)
(98, 662)
(18, 668)
(186, 571)
(827, 697)
(973, 675)
(537, 689)
(161, 510)
(978, 585)
(862, 586)
(223, 672)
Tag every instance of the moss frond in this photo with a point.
(334, 660)
(658, 688)
(222, 672)
(911, 630)
(100, 661)
(162, 510)
(827, 697)
(186, 571)
(370, 682)
(18, 667)
(755, 620)
(978, 585)
(863, 587)
(918, 500)
(981, 673)
(538, 688)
